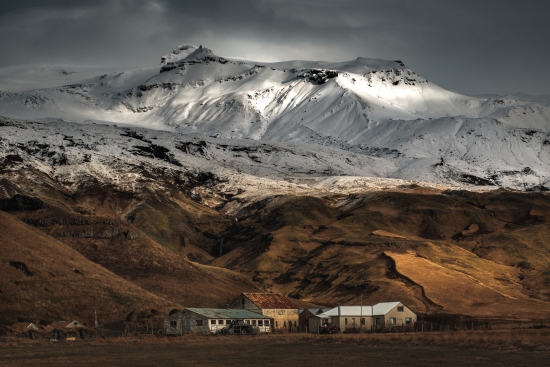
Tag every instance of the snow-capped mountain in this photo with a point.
(399, 124)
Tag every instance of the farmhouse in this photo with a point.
(386, 315)
(209, 320)
(284, 313)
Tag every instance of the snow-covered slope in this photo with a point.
(365, 107)
(71, 156)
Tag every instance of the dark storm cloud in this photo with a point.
(471, 46)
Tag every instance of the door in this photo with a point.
(185, 326)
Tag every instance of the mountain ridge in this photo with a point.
(364, 106)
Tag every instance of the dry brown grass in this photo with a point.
(528, 339)
(275, 350)
(60, 283)
(324, 253)
(466, 284)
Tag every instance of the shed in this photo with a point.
(209, 320)
(68, 328)
(278, 307)
(385, 315)
(32, 331)
(306, 313)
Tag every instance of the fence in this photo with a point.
(427, 326)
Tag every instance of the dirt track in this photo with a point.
(254, 351)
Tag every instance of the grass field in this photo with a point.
(502, 348)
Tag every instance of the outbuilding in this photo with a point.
(306, 313)
(209, 320)
(274, 305)
(385, 315)
(68, 329)
(32, 331)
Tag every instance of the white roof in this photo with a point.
(378, 309)
(384, 307)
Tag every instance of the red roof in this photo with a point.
(270, 300)
(64, 324)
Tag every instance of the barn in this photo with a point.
(284, 313)
(208, 321)
(385, 315)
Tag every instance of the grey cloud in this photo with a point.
(471, 46)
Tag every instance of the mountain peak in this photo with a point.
(179, 53)
(199, 53)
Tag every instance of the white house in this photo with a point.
(351, 318)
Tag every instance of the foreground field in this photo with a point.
(518, 348)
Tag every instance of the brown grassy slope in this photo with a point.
(114, 228)
(318, 249)
(324, 250)
(169, 218)
(129, 253)
(56, 282)
(286, 245)
(463, 293)
(160, 209)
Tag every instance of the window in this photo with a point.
(220, 322)
(199, 322)
(353, 321)
(392, 321)
(228, 322)
(173, 323)
(247, 322)
(260, 323)
(408, 320)
(400, 309)
(362, 321)
(253, 322)
(213, 322)
(266, 322)
(346, 321)
(284, 323)
(294, 323)
(276, 323)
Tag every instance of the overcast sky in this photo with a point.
(472, 46)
